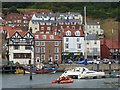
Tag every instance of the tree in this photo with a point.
(13, 9)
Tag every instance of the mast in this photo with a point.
(85, 31)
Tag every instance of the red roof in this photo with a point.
(72, 31)
(110, 43)
(47, 37)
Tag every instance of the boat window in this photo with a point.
(89, 72)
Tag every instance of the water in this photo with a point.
(44, 81)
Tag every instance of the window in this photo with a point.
(51, 37)
(35, 28)
(48, 28)
(42, 43)
(77, 33)
(36, 37)
(37, 50)
(27, 47)
(73, 27)
(42, 57)
(94, 50)
(37, 43)
(42, 50)
(22, 55)
(56, 57)
(95, 42)
(37, 59)
(67, 39)
(78, 39)
(56, 50)
(79, 46)
(66, 46)
(44, 36)
(56, 43)
(16, 47)
(68, 33)
(42, 28)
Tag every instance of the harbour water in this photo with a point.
(44, 81)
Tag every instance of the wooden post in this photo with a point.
(109, 67)
(30, 70)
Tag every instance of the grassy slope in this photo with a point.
(107, 25)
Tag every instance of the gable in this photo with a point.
(28, 35)
(16, 35)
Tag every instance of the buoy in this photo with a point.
(54, 81)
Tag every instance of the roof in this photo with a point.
(110, 43)
(50, 37)
(92, 37)
(72, 31)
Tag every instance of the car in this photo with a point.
(105, 61)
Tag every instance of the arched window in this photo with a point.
(77, 33)
(68, 33)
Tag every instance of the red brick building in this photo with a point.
(48, 46)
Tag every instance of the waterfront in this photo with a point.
(44, 81)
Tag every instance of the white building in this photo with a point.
(73, 44)
(21, 47)
(93, 46)
(94, 28)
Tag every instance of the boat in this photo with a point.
(69, 80)
(19, 71)
(82, 72)
(42, 71)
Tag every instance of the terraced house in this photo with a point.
(48, 47)
(55, 22)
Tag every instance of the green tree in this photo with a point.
(13, 9)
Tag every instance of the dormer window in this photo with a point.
(36, 37)
(77, 33)
(51, 37)
(43, 36)
(68, 33)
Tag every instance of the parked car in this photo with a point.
(105, 61)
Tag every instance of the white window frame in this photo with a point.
(79, 46)
(48, 28)
(56, 50)
(42, 49)
(56, 43)
(42, 43)
(37, 50)
(37, 43)
(42, 57)
(42, 28)
(43, 36)
(57, 57)
(66, 45)
(51, 36)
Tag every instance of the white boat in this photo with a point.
(82, 72)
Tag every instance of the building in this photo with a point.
(92, 46)
(55, 22)
(20, 47)
(47, 46)
(94, 28)
(73, 44)
(110, 48)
